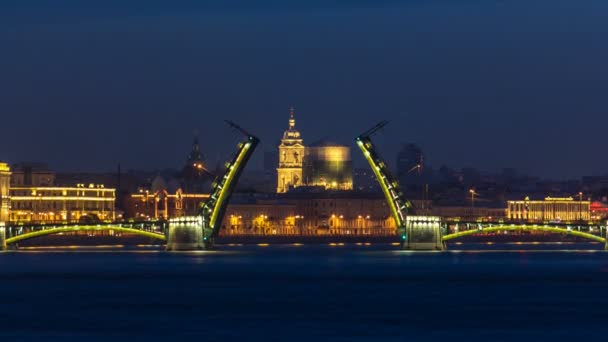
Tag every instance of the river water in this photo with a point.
(305, 292)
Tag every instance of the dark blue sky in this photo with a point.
(490, 84)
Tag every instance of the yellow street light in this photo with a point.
(473, 193)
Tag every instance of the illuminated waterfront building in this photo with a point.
(161, 204)
(298, 212)
(550, 209)
(5, 179)
(92, 203)
(310, 213)
(261, 218)
(291, 155)
(599, 211)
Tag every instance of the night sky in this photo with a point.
(489, 84)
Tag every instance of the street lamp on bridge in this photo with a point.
(473, 193)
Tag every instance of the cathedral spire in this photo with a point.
(195, 154)
(292, 120)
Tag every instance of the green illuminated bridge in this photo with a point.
(430, 233)
(16, 233)
(585, 231)
(199, 232)
(185, 233)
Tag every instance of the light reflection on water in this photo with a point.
(451, 247)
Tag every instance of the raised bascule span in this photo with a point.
(184, 233)
(198, 232)
(430, 233)
(416, 232)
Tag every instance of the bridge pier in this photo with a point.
(185, 234)
(423, 233)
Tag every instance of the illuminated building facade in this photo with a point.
(310, 214)
(162, 204)
(92, 203)
(263, 218)
(324, 164)
(291, 155)
(599, 211)
(550, 209)
(328, 165)
(5, 179)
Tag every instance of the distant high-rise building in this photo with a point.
(410, 165)
(291, 155)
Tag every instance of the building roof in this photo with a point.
(31, 166)
(326, 143)
(315, 193)
(292, 133)
(4, 167)
(195, 154)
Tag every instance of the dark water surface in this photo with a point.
(301, 293)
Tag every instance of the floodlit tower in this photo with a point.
(291, 155)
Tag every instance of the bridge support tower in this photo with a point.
(185, 234)
(423, 233)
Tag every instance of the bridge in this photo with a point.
(185, 233)
(431, 233)
(13, 234)
(416, 232)
(586, 231)
(199, 232)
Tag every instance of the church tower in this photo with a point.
(195, 176)
(291, 153)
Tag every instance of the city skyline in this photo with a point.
(258, 165)
(128, 84)
(305, 170)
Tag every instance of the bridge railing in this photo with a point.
(593, 228)
(595, 232)
(158, 227)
